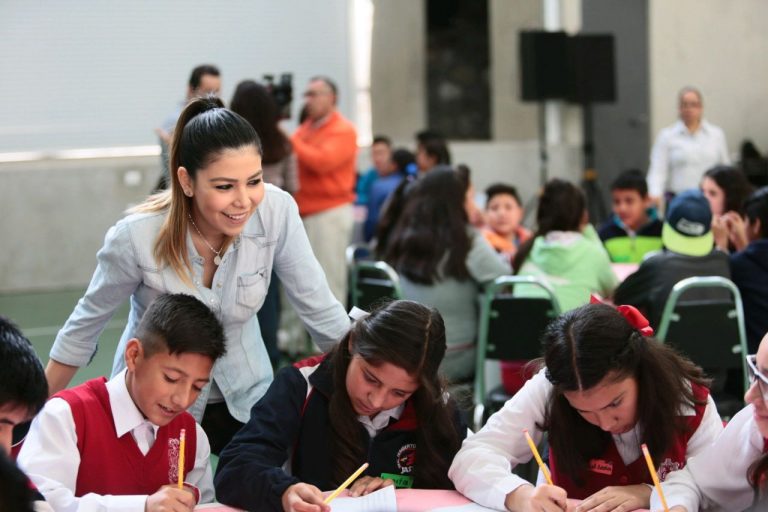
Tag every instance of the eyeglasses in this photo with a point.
(755, 375)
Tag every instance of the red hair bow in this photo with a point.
(630, 313)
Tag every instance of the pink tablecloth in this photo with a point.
(408, 500)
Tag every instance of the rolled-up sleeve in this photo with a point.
(116, 277)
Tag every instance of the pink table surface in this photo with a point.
(408, 500)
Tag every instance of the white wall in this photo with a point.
(89, 73)
(718, 46)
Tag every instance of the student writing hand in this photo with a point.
(367, 484)
(617, 499)
(170, 499)
(544, 498)
(303, 497)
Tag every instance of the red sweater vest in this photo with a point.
(610, 469)
(112, 465)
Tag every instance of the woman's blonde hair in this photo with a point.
(204, 130)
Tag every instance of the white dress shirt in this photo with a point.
(51, 458)
(679, 158)
(482, 469)
(716, 479)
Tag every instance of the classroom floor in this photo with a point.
(40, 315)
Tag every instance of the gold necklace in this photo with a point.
(217, 258)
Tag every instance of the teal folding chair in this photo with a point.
(373, 282)
(509, 329)
(711, 333)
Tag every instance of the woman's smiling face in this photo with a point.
(226, 192)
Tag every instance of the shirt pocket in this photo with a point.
(252, 289)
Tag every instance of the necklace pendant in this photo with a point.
(217, 260)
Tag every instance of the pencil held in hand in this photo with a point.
(182, 443)
(346, 483)
(654, 476)
(544, 469)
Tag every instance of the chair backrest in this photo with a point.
(710, 332)
(510, 327)
(371, 282)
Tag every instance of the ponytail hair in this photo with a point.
(410, 336)
(561, 208)
(586, 345)
(204, 130)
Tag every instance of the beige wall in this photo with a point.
(511, 118)
(718, 46)
(398, 68)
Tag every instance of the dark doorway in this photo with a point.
(458, 74)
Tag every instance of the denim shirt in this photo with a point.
(273, 238)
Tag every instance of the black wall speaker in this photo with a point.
(543, 65)
(591, 69)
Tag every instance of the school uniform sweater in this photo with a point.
(286, 441)
(127, 470)
(482, 469)
(81, 454)
(609, 469)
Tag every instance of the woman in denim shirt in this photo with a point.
(217, 234)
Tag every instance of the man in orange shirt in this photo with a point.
(326, 148)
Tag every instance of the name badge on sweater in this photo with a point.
(604, 467)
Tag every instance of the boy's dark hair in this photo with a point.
(632, 179)
(15, 493)
(403, 158)
(22, 379)
(197, 74)
(181, 324)
(756, 208)
(437, 149)
(501, 188)
(382, 139)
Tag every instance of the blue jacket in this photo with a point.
(749, 271)
(286, 441)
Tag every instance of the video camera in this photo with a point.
(282, 92)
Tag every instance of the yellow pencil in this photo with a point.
(182, 442)
(654, 477)
(536, 455)
(346, 483)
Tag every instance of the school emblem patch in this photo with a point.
(173, 460)
(406, 458)
(668, 466)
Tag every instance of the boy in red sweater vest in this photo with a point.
(115, 444)
(23, 391)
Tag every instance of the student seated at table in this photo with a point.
(115, 444)
(565, 251)
(606, 388)
(733, 472)
(504, 216)
(633, 230)
(23, 391)
(377, 398)
(688, 252)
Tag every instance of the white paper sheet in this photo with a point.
(382, 500)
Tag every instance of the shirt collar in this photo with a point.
(680, 127)
(125, 414)
(381, 420)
